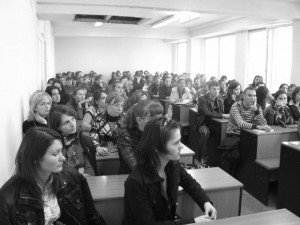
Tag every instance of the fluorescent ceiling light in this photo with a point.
(182, 17)
(98, 24)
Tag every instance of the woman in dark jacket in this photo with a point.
(233, 95)
(278, 113)
(294, 104)
(151, 189)
(78, 149)
(166, 88)
(42, 190)
(131, 131)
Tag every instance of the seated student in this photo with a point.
(78, 149)
(117, 86)
(138, 81)
(43, 190)
(278, 113)
(98, 84)
(153, 88)
(151, 188)
(203, 86)
(294, 104)
(189, 85)
(95, 109)
(262, 95)
(64, 98)
(166, 88)
(181, 93)
(257, 79)
(209, 106)
(54, 92)
(223, 87)
(105, 124)
(39, 106)
(233, 95)
(69, 87)
(148, 82)
(290, 90)
(78, 102)
(196, 84)
(137, 96)
(245, 114)
(131, 131)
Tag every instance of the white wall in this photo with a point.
(19, 75)
(295, 78)
(104, 55)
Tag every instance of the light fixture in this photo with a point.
(98, 24)
(183, 17)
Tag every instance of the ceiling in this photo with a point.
(212, 13)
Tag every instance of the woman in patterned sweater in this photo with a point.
(131, 131)
(104, 125)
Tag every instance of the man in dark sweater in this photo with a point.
(209, 106)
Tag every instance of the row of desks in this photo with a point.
(108, 195)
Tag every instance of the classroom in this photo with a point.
(221, 76)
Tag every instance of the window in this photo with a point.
(270, 55)
(181, 58)
(219, 56)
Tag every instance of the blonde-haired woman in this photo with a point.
(40, 104)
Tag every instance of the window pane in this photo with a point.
(181, 58)
(211, 57)
(257, 51)
(227, 55)
(279, 57)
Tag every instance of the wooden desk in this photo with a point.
(181, 113)
(217, 134)
(109, 165)
(260, 145)
(225, 192)
(165, 103)
(288, 182)
(275, 217)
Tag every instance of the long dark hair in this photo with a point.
(233, 84)
(55, 114)
(157, 133)
(32, 149)
(262, 93)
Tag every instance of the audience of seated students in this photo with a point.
(262, 94)
(97, 107)
(43, 190)
(138, 95)
(154, 87)
(131, 131)
(54, 93)
(278, 113)
(257, 79)
(64, 98)
(151, 188)
(98, 84)
(245, 114)
(78, 149)
(105, 124)
(233, 95)
(117, 86)
(209, 106)
(290, 90)
(202, 90)
(166, 88)
(39, 106)
(294, 104)
(78, 102)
